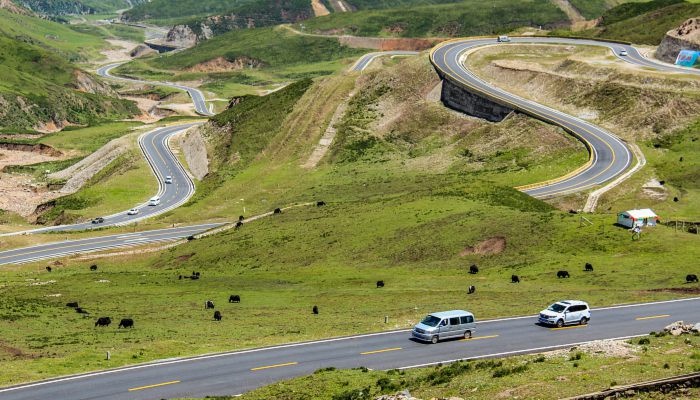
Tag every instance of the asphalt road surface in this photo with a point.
(197, 96)
(237, 372)
(163, 163)
(610, 156)
(89, 245)
(367, 59)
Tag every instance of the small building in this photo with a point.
(632, 218)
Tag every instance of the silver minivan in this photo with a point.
(445, 325)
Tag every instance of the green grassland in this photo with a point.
(464, 18)
(403, 201)
(285, 57)
(38, 77)
(72, 45)
(112, 31)
(641, 22)
(591, 9)
(373, 4)
(172, 11)
(542, 377)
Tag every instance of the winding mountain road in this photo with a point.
(609, 155)
(237, 372)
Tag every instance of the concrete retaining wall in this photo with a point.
(458, 98)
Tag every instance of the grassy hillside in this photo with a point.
(257, 14)
(641, 23)
(592, 9)
(280, 56)
(38, 88)
(462, 18)
(72, 45)
(66, 7)
(183, 10)
(374, 4)
(410, 188)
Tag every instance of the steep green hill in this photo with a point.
(54, 8)
(641, 23)
(182, 10)
(258, 14)
(59, 38)
(254, 58)
(464, 18)
(40, 87)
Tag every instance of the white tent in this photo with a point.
(632, 218)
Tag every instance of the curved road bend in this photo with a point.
(610, 156)
(367, 59)
(200, 104)
(154, 145)
(238, 372)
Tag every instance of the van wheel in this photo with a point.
(583, 321)
(560, 323)
(434, 340)
(468, 334)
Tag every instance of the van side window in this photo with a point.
(443, 322)
(454, 321)
(466, 319)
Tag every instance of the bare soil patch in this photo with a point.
(493, 245)
(19, 193)
(121, 51)
(319, 9)
(684, 290)
(220, 64)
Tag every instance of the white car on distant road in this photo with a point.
(133, 211)
(168, 179)
(623, 53)
(566, 312)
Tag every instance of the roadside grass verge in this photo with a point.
(550, 377)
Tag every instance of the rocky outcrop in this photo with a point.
(141, 51)
(685, 37)
(181, 36)
(78, 174)
(255, 15)
(220, 64)
(194, 148)
(679, 328)
(53, 7)
(13, 8)
(86, 83)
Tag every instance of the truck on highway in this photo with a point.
(503, 39)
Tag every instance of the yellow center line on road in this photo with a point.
(274, 366)
(568, 327)
(380, 351)
(478, 338)
(153, 386)
(653, 317)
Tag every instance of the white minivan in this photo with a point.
(503, 39)
(445, 325)
(154, 201)
(566, 312)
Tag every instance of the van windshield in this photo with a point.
(556, 307)
(430, 320)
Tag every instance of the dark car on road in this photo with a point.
(98, 220)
